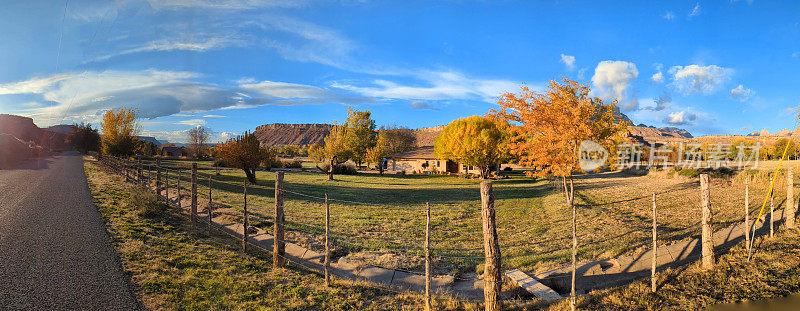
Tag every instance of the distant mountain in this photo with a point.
(61, 128)
(307, 134)
(151, 140)
(291, 134)
(676, 130)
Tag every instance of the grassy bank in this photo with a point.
(173, 266)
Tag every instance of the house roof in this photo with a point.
(423, 153)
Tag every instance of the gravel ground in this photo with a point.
(54, 249)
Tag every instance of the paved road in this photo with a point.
(54, 250)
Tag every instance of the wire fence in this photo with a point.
(532, 237)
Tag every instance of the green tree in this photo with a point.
(476, 140)
(391, 140)
(333, 151)
(780, 145)
(348, 141)
(360, 134)
(84, 138)
(119, 132)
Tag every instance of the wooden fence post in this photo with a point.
(771, 215)
(139, 170)
(278, 247)
(655, 248)
(707, 238)
(178, 187)
(791, 205)
(573, 297)
(158, 176)
(210, 205)
(194, 193)
(166, 184)
(747, 212)
(244, 231)
(427, 256)
(327, 263)
(492, 279)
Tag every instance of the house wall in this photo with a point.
(415, 166)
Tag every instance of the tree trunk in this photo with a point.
(330, 169)
(251, 175)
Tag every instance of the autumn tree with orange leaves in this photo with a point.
(548, 128)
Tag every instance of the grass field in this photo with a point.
(380, 219)
(174, 267)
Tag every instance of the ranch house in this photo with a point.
(421, 161)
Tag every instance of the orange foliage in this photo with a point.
(548, 128)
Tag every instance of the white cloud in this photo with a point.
(75, 97)
(668, 16)
(442, 85)
(224, 136)
(695, 10)
(680, 118)
(35, 85)
(658, 77)
(193, 122)
(612, 78)
(699, 79)
(741, 94)
(214, 116)
(795, 54)
(569, 61)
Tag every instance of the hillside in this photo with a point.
(291, 134)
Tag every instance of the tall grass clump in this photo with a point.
(146, 204)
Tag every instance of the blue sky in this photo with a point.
(712, 67)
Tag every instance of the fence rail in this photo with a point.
(498, 249)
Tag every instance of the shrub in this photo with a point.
(291, 163)
(508, 169)
(344, 169)
(146, 203)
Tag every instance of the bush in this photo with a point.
(341, 169)
(507, 169)
(291, 163)
(146, 203)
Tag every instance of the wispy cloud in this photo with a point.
(695, 10)
(441, 85)
(166, 45)
(569, 61)
(420, 105)
(214, 116)
(225, 5)
(193, 122)
(668, 16)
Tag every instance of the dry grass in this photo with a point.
(174, 267)
(773, 272)
(533, 221)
